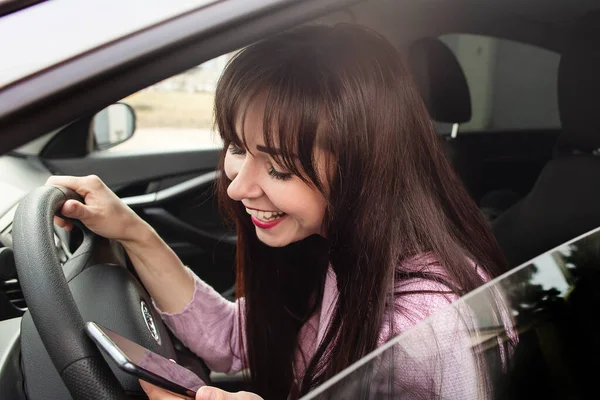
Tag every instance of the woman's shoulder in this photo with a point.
(425, 270)
(421, 289)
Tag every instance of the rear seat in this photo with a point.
(445, 91)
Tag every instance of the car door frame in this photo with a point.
(95, 79)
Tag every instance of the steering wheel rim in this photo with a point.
(51, 304)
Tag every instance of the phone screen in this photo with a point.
(137, 359)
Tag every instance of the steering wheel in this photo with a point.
(59, 305)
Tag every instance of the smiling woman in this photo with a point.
(358, 228)
(311, 123)
(282, 206)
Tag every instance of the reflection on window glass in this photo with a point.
(530, 334)
(177, 113)
(513, 85)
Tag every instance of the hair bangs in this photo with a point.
(292, 121)
(294, 111)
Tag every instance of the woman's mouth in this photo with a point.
(266, 219)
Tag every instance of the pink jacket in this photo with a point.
(435, 355)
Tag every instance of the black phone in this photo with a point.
(143, 363)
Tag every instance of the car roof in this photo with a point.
(67, 28)
(544, 23)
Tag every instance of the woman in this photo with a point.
(351, 225)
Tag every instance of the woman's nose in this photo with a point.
(244, 184)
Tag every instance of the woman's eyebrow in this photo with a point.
(272, 152)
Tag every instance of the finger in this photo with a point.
(212, 393)
(82, 185)
(155, 393)
(146, 387)
(60, 222)
(75, 209)
(72, 182)
(67, 225)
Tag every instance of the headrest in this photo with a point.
(579, 87)
(441, 81)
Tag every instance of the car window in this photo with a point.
(177, 113)
(513, 85)
(96, 24)
(540, 346)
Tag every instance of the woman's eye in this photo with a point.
(284, 176)
(233, 149)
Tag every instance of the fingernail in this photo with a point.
(206, 393)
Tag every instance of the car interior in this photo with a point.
(510, 87)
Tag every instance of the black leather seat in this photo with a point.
(445, 91)
(441, 81)
(565, 201)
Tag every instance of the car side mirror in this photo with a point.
(113, 125)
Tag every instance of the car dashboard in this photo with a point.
(19, 174)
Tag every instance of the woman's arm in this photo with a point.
(160, 270)
(210, 326)
(198, 315)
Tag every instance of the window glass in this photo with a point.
(537, 344)
(513, 85)
(177, 113)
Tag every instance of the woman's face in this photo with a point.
(282, 207)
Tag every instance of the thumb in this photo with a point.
(156, 393)
(211, 393)
(74, 209)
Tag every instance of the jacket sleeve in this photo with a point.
(210, 326)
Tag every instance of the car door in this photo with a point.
(531, 333)
(166, 170)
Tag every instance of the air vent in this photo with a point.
(9, 285)
(12, 290)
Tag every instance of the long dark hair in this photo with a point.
(391, 195)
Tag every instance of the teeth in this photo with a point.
(265, 215)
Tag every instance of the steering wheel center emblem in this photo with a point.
(150, 321)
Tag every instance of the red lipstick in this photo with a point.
(266, 225)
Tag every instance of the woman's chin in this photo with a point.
(272, 240)
(278, 239)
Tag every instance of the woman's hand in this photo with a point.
(103, 212)
(204, 393)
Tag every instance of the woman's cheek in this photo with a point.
(230, 166)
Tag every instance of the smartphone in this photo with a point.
(143, 363)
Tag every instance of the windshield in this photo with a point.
(528, 334)
(62, 29)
